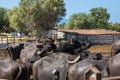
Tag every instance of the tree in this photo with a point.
(4, 22)
(39, 15)
(61, 26)
(114, 26)
(97, 18)
(101, 17)
(48, 14)
(80, 21)
(14, 18)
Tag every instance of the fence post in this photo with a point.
(2, 40)
(14, 39)
(7, 40)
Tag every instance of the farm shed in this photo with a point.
(101, 36)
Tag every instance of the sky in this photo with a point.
(80, 6)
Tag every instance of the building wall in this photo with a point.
(104, 39)
(60, 35)
(95, 39)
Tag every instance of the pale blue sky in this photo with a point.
(77, 6)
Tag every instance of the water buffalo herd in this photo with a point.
(47, 59)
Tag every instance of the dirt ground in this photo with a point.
(100, 48)
(104, 49)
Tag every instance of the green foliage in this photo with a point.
(101, 17)
(61, 26)
(97, 18)
(13, 18)
(114, 26)
(4, 22)
(37, 15)
(80, 21)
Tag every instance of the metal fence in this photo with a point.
(97, 39)
(5, 40)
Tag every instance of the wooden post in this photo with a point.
(2, 40)
(21, 38)
(7, 40)
(14, 39)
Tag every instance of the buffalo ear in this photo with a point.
(10, 51)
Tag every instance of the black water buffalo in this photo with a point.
(58, 55)
(27, 53)
(112, 67)
(14, 50)
(71, 58)
(84, 44)
(76, 71)
(115, 48)
(22, 51)
(73, 47)
(89, 55)
(46, 45)
(11, 70)
(43, 67)
(64, 47)
(49, 68)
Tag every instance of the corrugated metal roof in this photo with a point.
(91, 31)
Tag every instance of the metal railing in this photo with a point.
(5, 40)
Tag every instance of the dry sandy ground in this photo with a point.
(104, 49)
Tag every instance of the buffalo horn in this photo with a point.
(75, 60)
(39, 52)
(39, 43)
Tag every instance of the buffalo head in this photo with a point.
(14, 50)
(37, 55)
